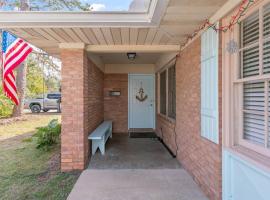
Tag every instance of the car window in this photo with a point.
(53, 96)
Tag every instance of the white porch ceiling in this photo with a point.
(181, 18)
(121, 58)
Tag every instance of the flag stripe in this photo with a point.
(17, 61)
(13, 76)
(11, 94)
(11, 81)
(16, 48)
(10, 88)
(10, 63)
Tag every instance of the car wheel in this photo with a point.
(35, 108)
(45, 110)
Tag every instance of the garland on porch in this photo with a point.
(235, 19)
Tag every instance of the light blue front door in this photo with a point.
(141, 101)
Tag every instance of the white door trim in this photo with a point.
(154, 101)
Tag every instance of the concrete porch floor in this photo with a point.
(135, 169)
(123, 152)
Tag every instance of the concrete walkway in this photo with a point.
(164, 184)
(135, 169)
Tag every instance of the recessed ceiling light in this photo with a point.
(131, 56)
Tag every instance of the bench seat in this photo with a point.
(100, 136)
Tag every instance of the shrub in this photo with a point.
(49, 135)
(6, 105)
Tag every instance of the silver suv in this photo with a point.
(50, 101)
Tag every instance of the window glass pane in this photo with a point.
(254, 130)
(266, 21)
(172, 94)
(163, 92)
(250, 30)
(80, 5)
(250, 61)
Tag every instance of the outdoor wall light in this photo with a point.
(131, 56)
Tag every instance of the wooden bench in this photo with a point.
(100, 136)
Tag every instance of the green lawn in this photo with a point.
(27, 172)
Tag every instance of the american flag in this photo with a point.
(14, 52)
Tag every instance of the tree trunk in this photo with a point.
(21, 75)
(21, 85)
(24, 5)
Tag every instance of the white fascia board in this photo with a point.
(132, 48)
(159, 11)
(152, 18)
(65, 19)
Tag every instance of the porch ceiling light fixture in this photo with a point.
(131, 56)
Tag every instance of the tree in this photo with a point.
(67, 5)
(43, 74)
(35, 78)
(52, 5)
(21, 75)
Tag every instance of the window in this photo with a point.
(254, 79)
(163, 92)
(54, 96)
(167, 92)
(171, 92)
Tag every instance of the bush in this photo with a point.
(6, 105)
(49, 135)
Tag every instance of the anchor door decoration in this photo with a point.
(141, 96)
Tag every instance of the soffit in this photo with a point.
(121, 58)
(180, 19)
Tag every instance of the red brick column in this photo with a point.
(74, 89)
(82, 105)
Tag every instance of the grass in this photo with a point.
(28, 125)
(27, 172)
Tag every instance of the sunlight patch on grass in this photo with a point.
(28, 126)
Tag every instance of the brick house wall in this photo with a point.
(95, 101)
(199, 156)
(116, 108)
(165, 129)
(82, 106)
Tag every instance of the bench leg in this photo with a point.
(111, 132)
(94, 146)
(102, 147)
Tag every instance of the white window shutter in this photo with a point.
(209, 85)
